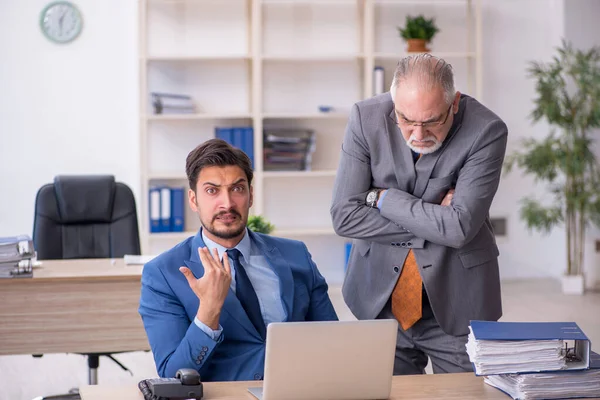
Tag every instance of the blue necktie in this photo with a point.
(246, 294)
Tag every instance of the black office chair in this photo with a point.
(85, 217)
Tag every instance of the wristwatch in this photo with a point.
(372, 197)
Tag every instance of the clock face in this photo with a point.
(61, 21)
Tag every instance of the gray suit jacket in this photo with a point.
(453, 245)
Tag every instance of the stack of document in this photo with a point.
(16, 257)
(514, 347)
(535, 360)
(551, 385)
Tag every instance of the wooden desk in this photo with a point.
(73, 306)
(444, 386)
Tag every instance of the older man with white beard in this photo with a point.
(419, 169)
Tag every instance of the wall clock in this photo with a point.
(61, 21)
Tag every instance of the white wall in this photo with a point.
(583, 31)
(65, 109)
(515, 33)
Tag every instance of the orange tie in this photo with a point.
(406, 297)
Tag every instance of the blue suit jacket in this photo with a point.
(168, 308)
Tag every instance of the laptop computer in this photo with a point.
(335, 360)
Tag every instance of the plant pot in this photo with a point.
(417, 46)
(572, 284)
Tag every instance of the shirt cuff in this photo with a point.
(213, 334)
(381, 196)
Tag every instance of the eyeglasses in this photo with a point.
(433, 124)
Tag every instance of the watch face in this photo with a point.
(371, 198)
(61, 21)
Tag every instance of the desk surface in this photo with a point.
(73, 306)
(82, 270)
(420, 387)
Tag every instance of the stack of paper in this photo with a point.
(17, 255)
(551, 385)
(514, 347)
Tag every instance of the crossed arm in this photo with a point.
(405, 217)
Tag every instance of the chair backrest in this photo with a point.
(85, 217)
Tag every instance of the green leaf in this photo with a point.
(257, 223)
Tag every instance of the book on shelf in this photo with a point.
(288, 149)
(515, 347)
(168, 103)
(239, 137)
(166, 207)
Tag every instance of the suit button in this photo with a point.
(403, 244)
(257, 377)
(204, 348)
(202, 353)
(198, 361)
(396, 269)
(394, 244)
(409, 244)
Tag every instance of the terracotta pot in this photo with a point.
(417, 46)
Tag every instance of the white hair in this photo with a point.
(430, 72)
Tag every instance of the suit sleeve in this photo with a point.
(320, 308)
(176, 342)
(477, 182)
(350, 215)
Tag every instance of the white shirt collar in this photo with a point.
(244, 246)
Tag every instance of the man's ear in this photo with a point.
(192, 200)
(456, 102)
(251, 196)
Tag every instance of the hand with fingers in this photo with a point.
(212, 288)
(447, 200)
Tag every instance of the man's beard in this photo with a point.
(424, 150)
(225, 233)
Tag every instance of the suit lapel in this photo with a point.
(232, 305)
(404, 167)
(282, 270)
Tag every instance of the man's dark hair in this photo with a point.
(215, 153)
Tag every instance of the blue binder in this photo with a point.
(248, 143)
(165, 209)
(154, 209)
(224, 133)
(511, 331)
(177, 208)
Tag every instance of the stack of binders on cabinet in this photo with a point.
(535, 360)
(166, 207)
(17, 255)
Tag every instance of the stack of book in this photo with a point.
(535, 360)
(168, 103)
(16, 257)
(288, 149)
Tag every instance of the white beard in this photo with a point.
(424, 150)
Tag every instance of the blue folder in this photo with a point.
(177, 207)
(491, 330)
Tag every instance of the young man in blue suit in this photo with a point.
(206, 302)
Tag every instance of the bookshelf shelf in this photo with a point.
(328, 115)
(285, 59)
(299, 174)
(184, 58)
(313, 58)
(186, 117)
(445, 55)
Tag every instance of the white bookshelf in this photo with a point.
(271, 64)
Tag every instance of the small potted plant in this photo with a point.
(258, 223)
(418, 32)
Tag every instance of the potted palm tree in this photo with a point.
(258, 223)
(418, 32)
(568, 98)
